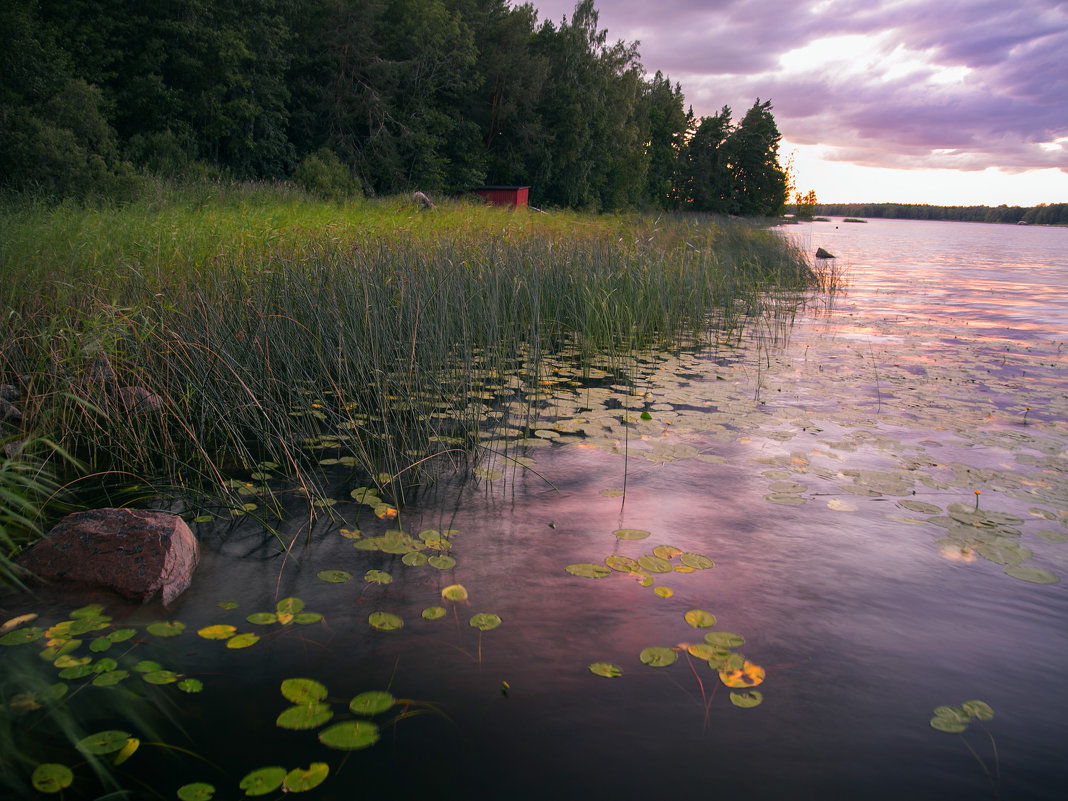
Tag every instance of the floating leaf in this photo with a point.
(631, 533)
(484, 621)
(588, 570)
(654, 564)
(724, 639)
(196, 791)
(663, 592)
(147, 666)
(624, 564)
(666, 551)
(242, 641)
(980, 710)
(606, 669)
(748, 675)
(15, 622)
(334, 576)
(305, 618)
(110, 678)
(165, 628)
(219, 631)
(351, 735)
(263, 781)
(703, 650)
(228, 605)
(377, 577)
(414, 559)
(747, 700)
(121, 635)
(304, 716)
(1035, 575)
(441, 561)
(104, 742)
(658, 656)
(433, 612)
(127, 751)
(371, 702)
(190, 685)
(22, 636)
(92, 610)
(262, 618)
(51, 777)
(700, 619)
(950, 719)
(454, 592)
(160, 677)
(300, 780)
(303, 691)
(384, 621)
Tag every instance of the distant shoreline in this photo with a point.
(1051, 214)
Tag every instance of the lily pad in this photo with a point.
(1035, 575)
(433, 612)
(334, 576)
(242, 640)
(303, 691)
(748, 675)
(377, 577)
(165, 628)
(624, 564)
(121, 635)
(351, 735)
(980, 710)
(484, 621)
(666, 551)
(724, 639)
(111, 678)
(160, 677)
(263, 781)
(631, 533)
(654, 564)
(196, 791)
(747, 700)
(663, 592)
(300, 780)
(696, 561)
(385, 621)
(371, 702)
(658, 656)
(414, 559)
(454, 592)
(606, 669)
(191, 685)
(104, 742)
(304, 716)
(588, 570)
(700, 619)
(51, 777)
(441, 561)
(950, 719)
(219, 631)
(22, 636)
(262, 618)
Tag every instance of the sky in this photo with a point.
(947, 102)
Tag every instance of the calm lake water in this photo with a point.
(828, 468)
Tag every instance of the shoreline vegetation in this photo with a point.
(230, 336)
(1042, 214)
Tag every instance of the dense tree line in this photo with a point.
(378, 96)
(1043, 214)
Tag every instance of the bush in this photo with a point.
(321, 173)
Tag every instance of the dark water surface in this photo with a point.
(830, 476)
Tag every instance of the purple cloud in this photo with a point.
(964, 85)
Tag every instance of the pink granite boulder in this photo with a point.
(135, 553)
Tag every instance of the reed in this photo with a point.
(191, 339)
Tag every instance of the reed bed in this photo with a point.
(221, 336)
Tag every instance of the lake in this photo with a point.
(881, 482)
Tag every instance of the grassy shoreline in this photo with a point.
(173, 345)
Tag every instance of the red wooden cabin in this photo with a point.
(514, 196)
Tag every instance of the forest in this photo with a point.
(1042, 214)
(363, 97)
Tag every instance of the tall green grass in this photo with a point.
(181, 342)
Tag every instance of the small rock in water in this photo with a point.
(823, 254)
(135, 553)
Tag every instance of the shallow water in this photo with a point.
(941, 370)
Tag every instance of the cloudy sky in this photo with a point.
(949, 102)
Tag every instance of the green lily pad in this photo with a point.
(980, 710)
(606, 669)
(385, 621)
(191, 685)
(262, 618)
(667, 552)
(22, 636)
(51, 777)
(111, 678)
(588, 570)
(304, 716)
(441, 561)
(263, 781)
(484, 621)
(242, 640)
(92, 610)
(724, 639)
(624, 564)
(160, 677)
(377, 577)
(1035, 575)
(414, 559)
(351, 735)
(303, 691)
(147, 666)
(104, 742)
(631, 533)
(654, 564)
(950, 719)
(747, 700)
(334, 576)
(433, 612)
(228, 605)
(121, 635)
(658, 656)
(454, 592)
(696, 561)
(304, 618)
(371, 702)
(165, 628)
(300, 780)
(196, 791)
(700, 619)
(663, 592)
